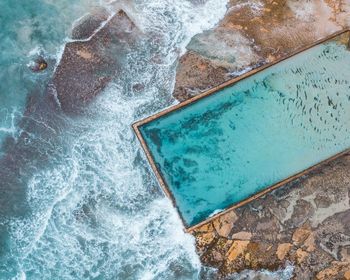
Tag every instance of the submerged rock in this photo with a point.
(38, 65)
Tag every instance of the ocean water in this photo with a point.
(29, 28)
(230, 145)
(94, 209)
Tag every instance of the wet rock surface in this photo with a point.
(89, 24)
(38, 64)
(253, 33)
(306, 222)
(87, 66)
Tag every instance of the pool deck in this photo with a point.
(307, 221)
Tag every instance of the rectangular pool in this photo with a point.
(224, 147)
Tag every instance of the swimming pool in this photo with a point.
(219, 150)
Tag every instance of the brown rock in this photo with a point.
(282, 250)
(275, 29)
(237, 249)
(300, 235)
(204, 235)
(216, 256)
(309, 243)
(223, 225)
(38, 65)
(87, 66)
(336, 270)
(301, 255)
(242, 235)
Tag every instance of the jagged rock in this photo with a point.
(242, 235)
(204, 236)
(38, 65)
(282, 250)
(237, 249)
(88, 24)
(336, 270)
(220, 248)
(224, 224)
(301, 255)
(86, 67)
(300, 235)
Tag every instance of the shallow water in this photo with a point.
(93, 210)
(228, 146)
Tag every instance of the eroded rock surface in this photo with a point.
(88, 65)
(306, 222)
(253, 33)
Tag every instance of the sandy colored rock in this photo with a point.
(204, 235)
(301, 255)
(282, 250)
(336, 270)
(281, 230)
(309, 243)
(237, 249)
(224, 224)
(84, 54)
(242, 235)
(300, 235)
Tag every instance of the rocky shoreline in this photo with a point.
(305, 222)
(254, 33)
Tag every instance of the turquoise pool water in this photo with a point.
(228, 146)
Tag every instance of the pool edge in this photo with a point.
(213, 90)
